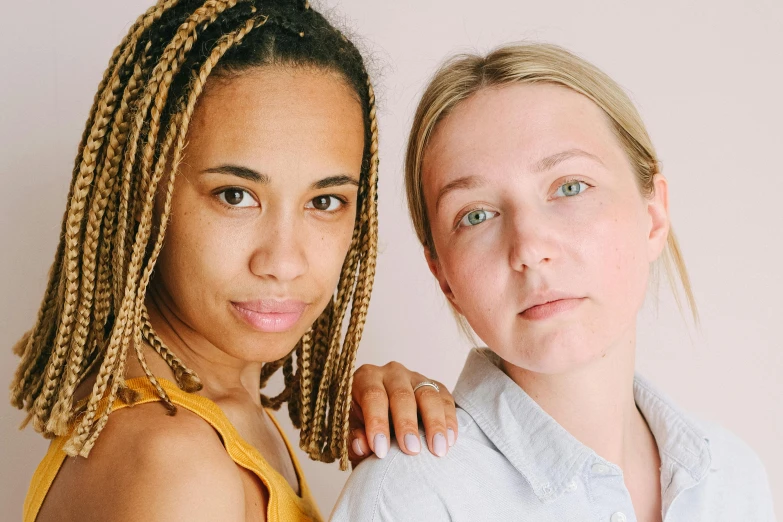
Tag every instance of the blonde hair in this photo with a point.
(464, 75)
(93, 311)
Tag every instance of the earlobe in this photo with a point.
(435, 268)
(658, 210)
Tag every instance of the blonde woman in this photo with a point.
(537, 195)
(220, 224)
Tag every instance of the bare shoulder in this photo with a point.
(147, 465)
(174, 466)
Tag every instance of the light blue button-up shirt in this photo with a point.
(515, 462)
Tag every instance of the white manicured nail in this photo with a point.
(381, 445)
(357, 448)
(412, 443)
(439, 445)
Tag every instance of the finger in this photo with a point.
(433, 416)
(402, 403)
(371, 399)
(358, 449)
(450, 411)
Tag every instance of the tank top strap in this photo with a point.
(282, 498)
(284, 503)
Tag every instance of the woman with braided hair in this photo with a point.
(221, 221)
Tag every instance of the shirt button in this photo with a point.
(571, 486)
(601, 469)
(618, 517)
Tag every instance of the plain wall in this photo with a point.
(706, 75)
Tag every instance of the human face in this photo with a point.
(263, 209)
(542, 238)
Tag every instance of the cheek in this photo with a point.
(617, 252)
(201, 256)
(327, 250)
(476, 273)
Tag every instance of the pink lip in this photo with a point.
(549, 307)
(269, 315)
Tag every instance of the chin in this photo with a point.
(555, 353)
(255, 347)
(265, 352)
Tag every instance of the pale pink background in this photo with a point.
(707, 76)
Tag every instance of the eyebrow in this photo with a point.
(258, 177)
(335, 181)
(547, 163)
(463, 183)
(240, 172)
(552, 161)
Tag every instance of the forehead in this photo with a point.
(518, 123)
(277, 110)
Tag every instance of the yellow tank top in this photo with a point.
(284, 504)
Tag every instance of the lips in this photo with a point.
(549, 304)
(272, 306)
(270, 315)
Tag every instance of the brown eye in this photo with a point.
(321, 202)
(325, 203)
(235, 197)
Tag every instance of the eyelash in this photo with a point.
(573, 180)
(462, 215)
(225, 190)
(343, 201)
(561, 184)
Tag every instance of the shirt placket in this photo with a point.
(611, 499)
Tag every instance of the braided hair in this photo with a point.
(93, 310)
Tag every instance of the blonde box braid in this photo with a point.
(127, 324)
(44, 331)
(93, 310)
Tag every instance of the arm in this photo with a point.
(198, 491)
(148, 466)
(396, 489)
(381, 390)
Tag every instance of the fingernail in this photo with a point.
(381, 445)
(439, 445)
(412, 443)
(357, 448)
(452, 437)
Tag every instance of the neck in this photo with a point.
(595, 403)
(222, 375)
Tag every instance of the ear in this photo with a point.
(435, 268)
(658, 210)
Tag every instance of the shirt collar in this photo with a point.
(544, 452)
(683, 446)
(533, 442)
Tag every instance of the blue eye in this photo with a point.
(476, 217)
(237, 197)
(571, 188)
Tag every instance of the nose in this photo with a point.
(532, 242)
(280, 251)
